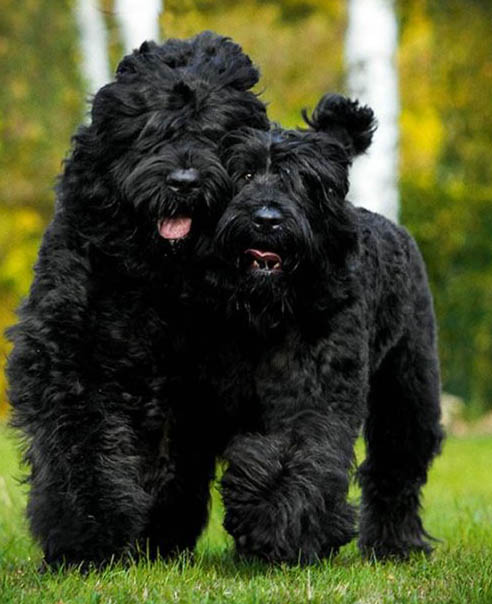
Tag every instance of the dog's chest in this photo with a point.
(249, 376)
(286, 374)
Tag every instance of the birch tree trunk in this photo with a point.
(139, 21)
(93, 43)
(371, 44)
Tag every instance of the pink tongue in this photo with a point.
(174, 228)
(260, 255)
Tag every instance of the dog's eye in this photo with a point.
(248, 176)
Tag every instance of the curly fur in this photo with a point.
(282, 324)
(332, 333)
(95, 374)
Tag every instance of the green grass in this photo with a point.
(458, 510)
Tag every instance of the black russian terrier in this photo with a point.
(327, 328)
(95, 372)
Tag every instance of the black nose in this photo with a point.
(183, 179)
(267, 216)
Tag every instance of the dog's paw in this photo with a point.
(393, 549)
(279, 505)
(272, 551)
(385, 535)
(260, 512)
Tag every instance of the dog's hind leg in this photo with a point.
(402, 434)
(183, 471)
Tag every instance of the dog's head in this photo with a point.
(145, 181)
(289, 225)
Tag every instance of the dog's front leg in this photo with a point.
(285, 490)
(86, 503)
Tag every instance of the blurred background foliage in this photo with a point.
(445, 64)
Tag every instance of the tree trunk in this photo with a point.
(138, 21)
(93, 42)
(371, 44)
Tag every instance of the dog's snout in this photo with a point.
(183, 179)
(268, 217)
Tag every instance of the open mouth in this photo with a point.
(174, 228)
(268, 262)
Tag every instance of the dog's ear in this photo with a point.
(346, 120)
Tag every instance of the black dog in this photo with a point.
(328, 327)
(95, 373)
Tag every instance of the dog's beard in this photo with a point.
(174, 224)
(262, 302)
(173, 216)
(260, 274)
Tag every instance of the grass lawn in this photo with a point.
(458, 510)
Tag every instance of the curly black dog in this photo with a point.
(95, 378)
(327, 327)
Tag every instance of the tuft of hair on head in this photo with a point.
(207, 55)
(344, 119)
(128, 64)
(219, 59)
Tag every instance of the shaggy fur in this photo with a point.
(166, 326)
(96, 380)
(325, 327)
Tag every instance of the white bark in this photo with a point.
(139, 21)
(93, 42)
(371, 44)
